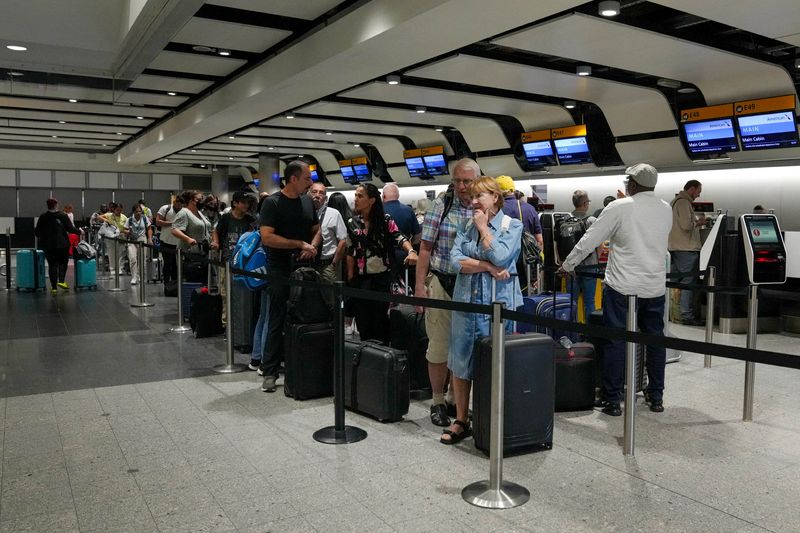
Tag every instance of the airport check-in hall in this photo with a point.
(371, 265)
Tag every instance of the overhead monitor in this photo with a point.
(768, 130)
(416, 167)
(436, 165)
(348, 173)
(710, 136)
(538, 149)
(361, 169)
(573, 151)
(314, 175)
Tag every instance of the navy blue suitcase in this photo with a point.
(543, 305)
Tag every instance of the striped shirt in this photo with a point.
(443, 235)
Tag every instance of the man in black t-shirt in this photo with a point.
(289, 228)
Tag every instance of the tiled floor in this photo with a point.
(129, 431)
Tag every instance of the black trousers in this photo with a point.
(57, 261)
(273, 345)
(170, 272)
(372, 317)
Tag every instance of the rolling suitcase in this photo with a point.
(243, 315)
(575, 376)
(188, 289)
(86, 274)
(408, 333)
(153, 270)
(599, 343)
(30, 270)
(205, 313)
(560, 305)
(308, 350)
(376, 380)
(529, 393)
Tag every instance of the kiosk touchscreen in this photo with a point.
(764, 250)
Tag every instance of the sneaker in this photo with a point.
(612, 409)
(254, 365)
(63, 285)
(134, 281)
(657, 406)
(348, 330)
(269, 384)
(260, 371)
(53, 292)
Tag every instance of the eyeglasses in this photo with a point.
(464, 182)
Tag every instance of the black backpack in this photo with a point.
(568, 232)
(307, 305)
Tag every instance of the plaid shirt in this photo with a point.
(444, 235)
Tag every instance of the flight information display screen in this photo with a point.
(763, 232)
(314, 175)
(436, 165)
(710, 136)
(348, 174)
(573, 151)
(539, 153)
(768, 130)
(416, 168)
(362, 172)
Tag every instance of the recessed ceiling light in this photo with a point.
(231, 137)
(201, 48)
(608, 8)
(15, 73)
(105, 145)
(328, 133)
(796, 64)
(139, 118)
(16, 47)
(54, 136)
(569, 104)
(271, 148)
(170, 93)
(73, 100)
(166, 160)
(687, 90)
(202, 166)
(289, 115)
(229, 157)
(193, 150)
(439, 128)
(583, 70)
(119, 133)
(62, 122)
(224, 52)
(421, 109)
(356, 145)
(393, 79)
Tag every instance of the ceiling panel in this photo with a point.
(196, 63)
(65, 92)
(51, 142)
(164, 83)
(532, 115)
(79, 107)
(423, 135)
(628, 109)
(301, 9)
(219, 34)
(65, 134)
(480, 133)
(159, 99)
(68, 126)
(778, 19)
(720, 75)
(657, 152)
(68, 117)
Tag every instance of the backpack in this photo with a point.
(306, 305)
(84, 250)
(529, 247)
(250, 255)
(567, 233)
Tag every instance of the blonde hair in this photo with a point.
(487, 184)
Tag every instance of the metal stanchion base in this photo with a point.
(229, 369)
(329, 435)
(116, 289)
(143, 304)
(510, 495)
(180, 329)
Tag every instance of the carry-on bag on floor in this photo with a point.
(376, 380)
(205, 313)
(308, 350)
(307, 305)
(529, 393)
(408, 333)
(30, 270)
(575, 375)
(86, 274)
(243, 315)
(599, 343)
(153, 270)
(560, 307)
(187, 289)
(171, 288)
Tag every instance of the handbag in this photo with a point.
(531, 252)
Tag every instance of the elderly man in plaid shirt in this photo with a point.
(436, 276)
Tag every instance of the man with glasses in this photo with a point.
(438, 235)
(638, 227)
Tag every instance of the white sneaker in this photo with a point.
(349, 330)
(134, 281)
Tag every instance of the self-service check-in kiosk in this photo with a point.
(765, 256)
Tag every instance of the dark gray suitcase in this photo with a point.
(408, 333)
(376, 380)
(243, 315)
(529, 393)
(575, 375)
(308, 352)
(596, 319)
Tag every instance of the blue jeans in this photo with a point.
(587, 286)
(649, 319)
(260, 333)
(686, 262)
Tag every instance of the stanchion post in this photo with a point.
(496, 493)
(181, 327)
(116, 287)
(339, 433)
(8, 259)
(142, 273)
(711, 275)
(749, 366)
(229, 367)
(628, 437)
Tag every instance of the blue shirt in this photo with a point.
(403, 216)
(530, 218)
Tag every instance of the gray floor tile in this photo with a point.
(64, 520)
(112, 514)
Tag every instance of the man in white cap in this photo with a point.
(638, 227)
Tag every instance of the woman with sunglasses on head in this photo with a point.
(484, 253)
(372, 237)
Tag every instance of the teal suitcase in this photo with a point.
(86, 274)
(30, 270)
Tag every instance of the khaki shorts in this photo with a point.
(437, 323)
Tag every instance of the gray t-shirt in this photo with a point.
(168, 214)
(195, 226)
(591, 259)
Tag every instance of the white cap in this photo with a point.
(643, 174)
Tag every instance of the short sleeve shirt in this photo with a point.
(291, 218)
(443, 235)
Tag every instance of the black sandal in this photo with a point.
(455, 438)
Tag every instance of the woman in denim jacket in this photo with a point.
(486, 248)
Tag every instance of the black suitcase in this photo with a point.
(171, 288)
(408, 333)
(306, 305)
(575, 377)
(243, 315)
(529, 393)
(308, 353)
(205, 316)
(376, 380)
(599, 343)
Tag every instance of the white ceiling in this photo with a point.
(302, 9)
(219, 34)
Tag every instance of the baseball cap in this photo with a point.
(643, 174)
(505, 183)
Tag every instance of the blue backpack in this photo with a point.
(250, 255)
